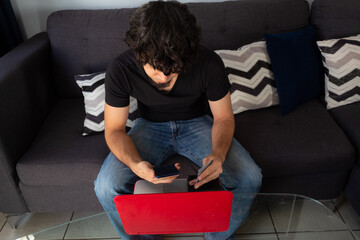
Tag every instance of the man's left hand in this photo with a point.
(210, 173)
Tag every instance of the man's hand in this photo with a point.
(210, 173)
(146, 171)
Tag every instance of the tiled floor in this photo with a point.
(268, 222)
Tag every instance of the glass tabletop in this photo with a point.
(272, 217)
(292, 216)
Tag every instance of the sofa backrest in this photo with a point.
(335, 19)
(85, 41)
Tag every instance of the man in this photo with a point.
(175, 80)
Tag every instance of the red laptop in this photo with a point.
(170, 208)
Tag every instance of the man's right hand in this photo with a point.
(146, 171)
(122, 146)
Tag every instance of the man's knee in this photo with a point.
(104, 186)
(254, 179)
(248, 175)
(249, 181)
(245, 177)
(113, 179)
(101, 189)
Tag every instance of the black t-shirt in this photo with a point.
(205, 80)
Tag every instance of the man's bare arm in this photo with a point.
(223, 127)
(222, 133)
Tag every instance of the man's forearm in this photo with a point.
(122, 146)
(222, 135)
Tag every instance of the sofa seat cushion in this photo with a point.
(348, 118)
(305, 141)
(60, 155)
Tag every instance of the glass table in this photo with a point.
(272, 217)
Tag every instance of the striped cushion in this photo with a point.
(93, 89)
(341, 59)
(251, 77)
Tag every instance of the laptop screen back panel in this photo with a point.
(169, 213)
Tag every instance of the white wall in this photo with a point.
(32, 14)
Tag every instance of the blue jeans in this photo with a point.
(157, 141)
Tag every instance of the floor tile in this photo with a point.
(38, 222)
(94, 227)
(307, 216)
(351, 218)
(270, 236)
(327, 235)
(357, 234)
(2, 220)
(259, 220)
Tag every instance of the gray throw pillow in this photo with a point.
(251, 78)
(341, 60)
(93, 90)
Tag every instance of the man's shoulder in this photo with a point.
(206, 51)
(209, 55)
(209, 59)
(126, 61)
(126, 58)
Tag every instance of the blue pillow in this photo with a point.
(297, 67)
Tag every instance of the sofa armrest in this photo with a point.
(26, 97)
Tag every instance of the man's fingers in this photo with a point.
(209, 171)
(153, 174)
(192, 182)
(207, 179)
(205, 173)
(165, 179)
(178, 167)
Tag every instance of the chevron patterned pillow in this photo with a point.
(250, 76)
(341, 60)
(93, 90)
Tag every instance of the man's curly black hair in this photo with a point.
(165, 35)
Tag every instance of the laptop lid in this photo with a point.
(168, 213)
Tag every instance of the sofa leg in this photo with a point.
(16, 221)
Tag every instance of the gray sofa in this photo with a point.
(335, 19)
(47, 165)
